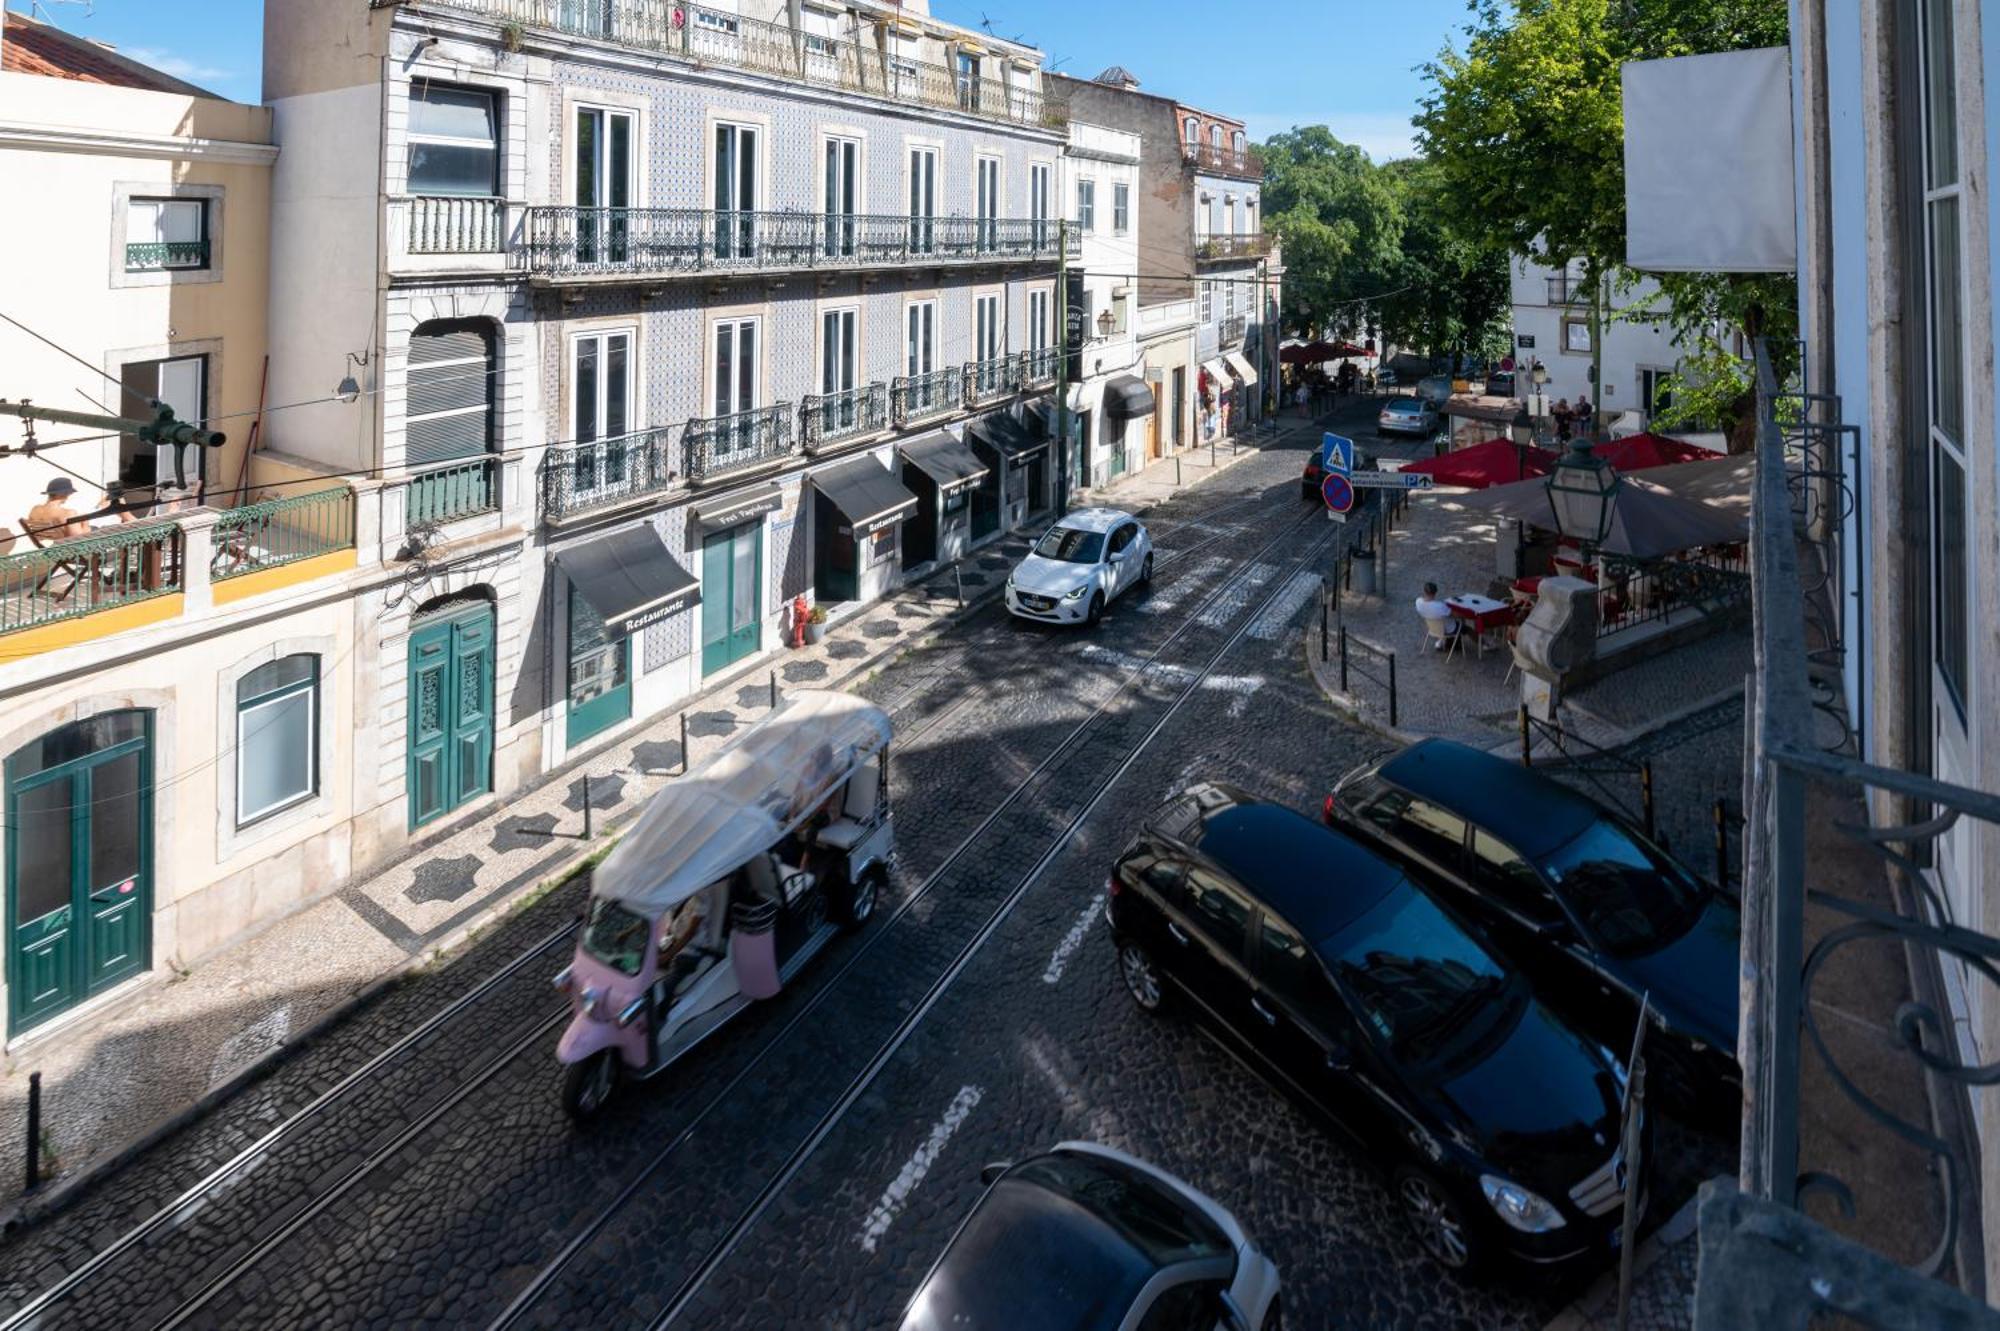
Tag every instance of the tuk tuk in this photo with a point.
(734, 877)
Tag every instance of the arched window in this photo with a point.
(1236, 143)
(450, 418)
(1193, 132)
(277, 736)
(1215, 137)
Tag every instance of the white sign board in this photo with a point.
(1390, 480)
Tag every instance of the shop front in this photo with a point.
(1019, 455)
(1128, 403)
(1217, 392)
(1245, 395)
(731, 530)
(618, 584)
(958, 499)
(859, 509)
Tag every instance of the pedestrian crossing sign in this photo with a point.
(1336, 452)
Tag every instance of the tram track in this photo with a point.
(526, 1301)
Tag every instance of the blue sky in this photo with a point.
(1347, 64)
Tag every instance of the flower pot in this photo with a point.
(814, 632)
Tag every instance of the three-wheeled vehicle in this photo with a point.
(736, 875)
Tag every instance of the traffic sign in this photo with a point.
(1389, 480)
(1336, 452)
(1337, 492)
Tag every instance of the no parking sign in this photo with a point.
(1338, 492)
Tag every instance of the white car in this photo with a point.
(1408, 415)
(1079, 566)
(1085, 1238)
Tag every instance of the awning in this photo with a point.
(1127, 397)
(1242, 368)
(1008, 437)
(866, 495)
(1499, 411)
(1217, 372)
(734, 510)
(951, 464)
(629, 577)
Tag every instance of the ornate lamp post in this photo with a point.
(1582, 491)
(1523, 431)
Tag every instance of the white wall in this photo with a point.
(1628, 346)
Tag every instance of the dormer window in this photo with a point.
(1193, 133)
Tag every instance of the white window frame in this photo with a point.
(1121, 208)
(920, 350)
(989, 332)
(1086, 204)
(853, 156)
(310, 689)
(1208, 301)
(737, 324)
(920, 195)
(849, 317)
(1038, 320)
(988, 182)
(149, 220)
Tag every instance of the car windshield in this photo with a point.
(1072, 546)
(1406, 407)
(1423, 986)
(1138, 1206)
(1627, 896)
(616, 936)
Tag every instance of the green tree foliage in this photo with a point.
(1450, 287)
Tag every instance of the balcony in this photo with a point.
(987, 381)
(585, 477)
(585, 245)
(720, 446)
(279, 533)
(437, 224)
(166, 256)
(1232, 330)
(1223, 249)
(829, 419)
(452, 492)
(712, 37)
(1038, 368)
(71, 579)
(922, 397)
(1225, 162)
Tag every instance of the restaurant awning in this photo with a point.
(1216, 371)
(1008, 437)
(945, 460)
(629, 577)
(727, 511)
(866, 495)
(1127, 397)
(1646, 521)
(1241, 365)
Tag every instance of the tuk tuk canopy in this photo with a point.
(739, 803)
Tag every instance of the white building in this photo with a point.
(1116, 426)
(1552, 327)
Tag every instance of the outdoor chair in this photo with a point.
(1438, 635)
(77, 569)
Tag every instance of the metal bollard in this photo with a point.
(1721, 844)
(774, 690)
(958, 585)
(1322, 619)
(1646, 795)
(586, 806)
(34, 1131)
(1343, 658)
(1177, 471)
(1527, 745)
(1392, 690)
(684, 744)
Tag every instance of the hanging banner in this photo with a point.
(1076, 326)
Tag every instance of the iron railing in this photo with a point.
(1038, 367)
(1218, 248)
(67, 579)
(830, 418)
(712, 37)
(987, 380)
(585, 242)
(452, 491)
(1226, 161)
(283, 531)
(1231, 331)
(919, 397)
(1762, 1260)
(1705, 584)
(584, 475)
(719, 445)
(441, 224)
(156, 256)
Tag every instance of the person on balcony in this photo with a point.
(53, 519)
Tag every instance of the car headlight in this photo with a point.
(1075, 595)
(1518, 1207)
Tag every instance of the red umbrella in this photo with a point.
(1650, 450)
(1494, 462)
(1308, 353)
(1343, 349)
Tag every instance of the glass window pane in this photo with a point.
(453, 169)
(725, 375)
(1950, 574)
(619, 170)
(457, 113)
(1947, 322)
(275, 765)
(746, 171)
(616, 388)
(42, 851)
(283, 673)
(725, 166)
(1222, 912)
(1940, 95)
(585, 389)
(587, 195)
(115, 827)
(746, 367)
(743, 583)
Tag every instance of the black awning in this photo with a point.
(1008, 437)
(866, 495)
(1127, 397)
(733, 510)
(629, 577)
(951, 464)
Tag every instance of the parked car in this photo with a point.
(1435, 389)
(1597, 915)
(1408, 415)
(1080, 566)
(1313, 476)
(1357, 990)
(1085, 1238)
(1500, 384)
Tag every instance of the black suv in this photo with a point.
(1367, 999)
(1597, 915)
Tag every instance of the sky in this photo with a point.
(1346, 64)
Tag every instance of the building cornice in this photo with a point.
(119, 143)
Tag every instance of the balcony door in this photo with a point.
(843, 195)
(989, 204)
(603, 161)
(923, 200)
(182, 383)
(737, 376)
(600, 411)
(920, 355)
(838, 370)
(735, 193)
(1038, 204)
(986, 342)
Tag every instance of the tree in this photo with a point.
(1340, 220)
(1449, 291)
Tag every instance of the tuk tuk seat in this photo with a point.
(857, 813)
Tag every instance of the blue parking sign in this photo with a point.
(1336, 452)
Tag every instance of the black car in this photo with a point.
(1366, 998)
(1597, 915)
(1313, 477)
(1085, 1238)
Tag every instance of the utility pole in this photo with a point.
(161, 429)
(1596, 346)
(1062, 372)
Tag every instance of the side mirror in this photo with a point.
(991, 1172)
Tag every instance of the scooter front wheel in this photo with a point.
(587, 1086)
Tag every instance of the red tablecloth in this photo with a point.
(1483, 621)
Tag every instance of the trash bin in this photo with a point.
(1363, 576)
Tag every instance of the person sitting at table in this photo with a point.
(1437, 617)
(53, 519)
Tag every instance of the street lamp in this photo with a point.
(1583, 490)
(350, 389)
(1523, 430)
(1104, 322)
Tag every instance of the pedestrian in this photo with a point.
(1563, 418)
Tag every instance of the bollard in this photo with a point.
(774, 690)
(958, 585)
(1392, 690)
(586, 806)
(1646, 795)
(684, 744)
(1721, 845)
(1343, 658)
(34, 1131)
(1527, 745)
(1177, 471)
(1322, 620)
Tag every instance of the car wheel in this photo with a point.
(860, 907)
(1142, 977)
(1096, 611)
(1146, 571)
(1440, 1226)
(588, 1085)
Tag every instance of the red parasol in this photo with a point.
(1650, 450)
(1495, 462)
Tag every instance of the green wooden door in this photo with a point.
(732, 576)
(451, 712)
(79, 864)
(600, 673)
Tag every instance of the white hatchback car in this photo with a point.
(1080, 565)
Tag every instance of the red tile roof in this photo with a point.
(32, 47)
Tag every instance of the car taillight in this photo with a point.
(1326, 811)
(1112, 887)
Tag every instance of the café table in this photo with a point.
(1483, 615)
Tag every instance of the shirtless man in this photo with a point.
(53, 519)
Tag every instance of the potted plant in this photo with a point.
(815, 624)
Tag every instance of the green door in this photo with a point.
(79, 864)
(732, 576)
(451, 712)
(600, 673)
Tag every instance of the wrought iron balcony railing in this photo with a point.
(283, 531)
(986, 380)
(721, 445)
(1226, 161)
(583, 476)
(826, 419)
(440, 224)
(595, 242)
(1038, 368)
(920, 397)
(159, 256)
(65, 579)
(715, 37)
(1216, 249)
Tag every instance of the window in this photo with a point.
(1249, 217)
(454, 141)
(1038, 202)
(1228, 298)
(922, 340)
(818, 45)
(1208, 301)
(166, 234)
(1121, 209)
(1285, 965)
(1195, 1306)
(1229, 215)
(1215, 137)
(1038, 320)
(989, 203)
(277, 736)
(986, 328)
(735, 194)
(1576, 336)
(1236, 145)
(1201, 216)
(181, 383)
(599, 664)
(923, 200)
(736, 366)
(1944, 264)
(968, 81)
(1511, 880)
(1222, 912)
(843, 194)
(603, 158)
(1122, 538)
(450, 391)
(600, 407)
(1193, 133)
(1086, 206)
(838, 339)
(714, 22)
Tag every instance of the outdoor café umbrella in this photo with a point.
(1495, 462)
(1640, 451)
(1646, 521)
(1308, 353)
